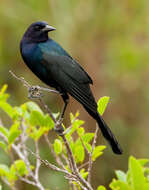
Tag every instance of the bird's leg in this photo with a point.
(66, 101)
(64, 109)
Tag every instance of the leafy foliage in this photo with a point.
(38, 124)
(137, 176)
(29, 122)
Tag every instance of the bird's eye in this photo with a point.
(38, 27)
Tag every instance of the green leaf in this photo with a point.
(77, 123)
(136, 172)
(20, 167)
(146, 186)
(88, 146)
(87, 137)
(128, 177)
(80, 131)
(12, 177)
(19, 110)
(36, 118)
(4, 170)
(12, 137)
(97, 151)
(17, 168)
(73, 117)
(3, 89)
(143, 161)
(7, 108)
(121, 175)
(75, 126)
(39, 132)
(79, 153)
(3, 145)
(3, 95)
(119, 185)
(31, 106)
(13, 133)
(146, 171)
(101, 187)
(57, 146)
(102, 104)
(48, 122)
(4, 131)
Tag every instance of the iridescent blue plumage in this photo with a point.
(53, 48)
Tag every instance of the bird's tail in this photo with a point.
(107, 133)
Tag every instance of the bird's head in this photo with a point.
(38, 31)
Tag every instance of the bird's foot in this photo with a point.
(58, 126)
(34, 92)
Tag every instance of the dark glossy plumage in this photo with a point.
(55, 67)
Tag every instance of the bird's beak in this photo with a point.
(48, 28)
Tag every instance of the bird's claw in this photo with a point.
(34, 92)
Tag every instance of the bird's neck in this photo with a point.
(35, 39)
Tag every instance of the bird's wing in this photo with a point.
(53, 52)
(71, 77)
(69, 66)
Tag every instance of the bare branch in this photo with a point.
(47, 109)
(78, 182)
(84, 145)
(75, 169)
(25, 83)
(49, 165)
(34, 91)
(27, 181)
(83, 165)
(58, 160)
(90, 155)
(37, 161)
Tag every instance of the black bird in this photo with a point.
(55, 67)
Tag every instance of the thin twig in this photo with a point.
(21, 79)
(65, 158)
(57, 158)
(83, 165)
(90, 155)
(75, 169)
(84, 145)
(27, 181)
(22, 148)
(36, 88)
(78, 182)
(37, 161)
(47, 109)
(51, 166)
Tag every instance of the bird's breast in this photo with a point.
(33, 58)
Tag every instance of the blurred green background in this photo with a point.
(110, 39)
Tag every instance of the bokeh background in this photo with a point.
(110, 39)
